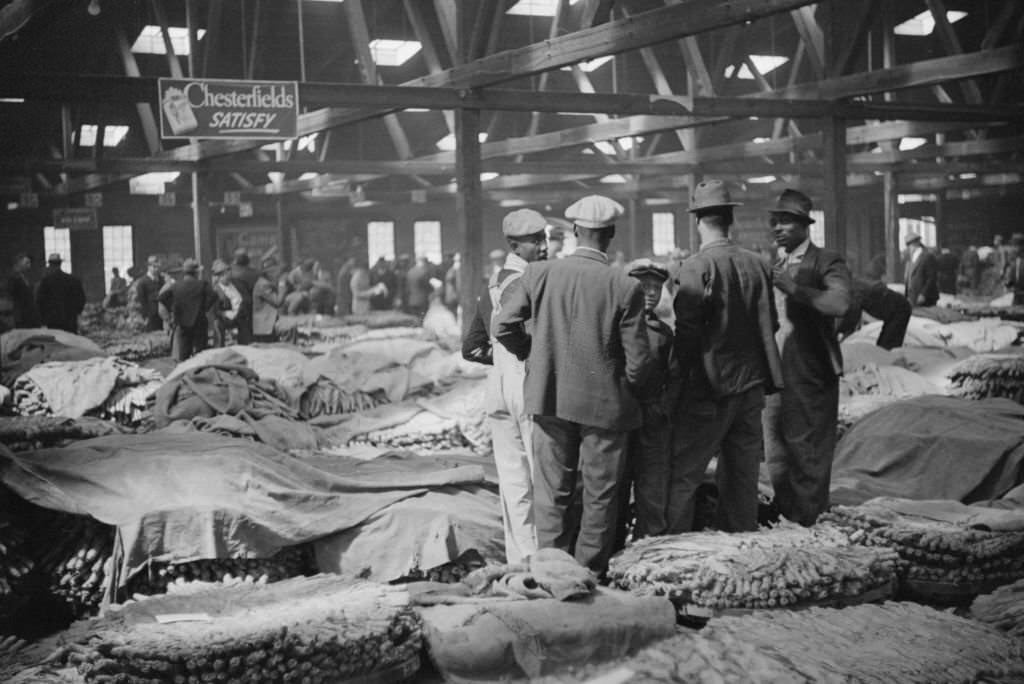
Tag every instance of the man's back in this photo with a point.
(588, 341)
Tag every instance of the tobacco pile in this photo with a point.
(933, 550)
(423, 433)
(893, 642)
(325, 398)
(781, 566)
(140, 346)
(76, 562)
(989, 375)
(30, 432)
(15, 557)
(1002, 609)
(294, 561)
(317, 629)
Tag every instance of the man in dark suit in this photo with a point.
(190, 300)
(244, 278)
(725, 343)
(22, 293)
(813, 286)
(1014, 273)
(60, 297)
(589, 348)
(921, 275)
(878, 301)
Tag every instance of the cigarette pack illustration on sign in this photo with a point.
(179, 111)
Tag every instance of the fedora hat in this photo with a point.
(794, 202)
(710, 193)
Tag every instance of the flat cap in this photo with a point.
(190, 265)
(153, 260)
(219, 266)
(638, 268)
(594, 211)
(522, 222)
(911, 238)
(54, 258)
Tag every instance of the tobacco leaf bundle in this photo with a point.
(989, 375)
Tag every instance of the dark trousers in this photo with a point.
(800, 441)
(730, 428)
(243, 330)
(565, 452)
(186, 341)
(646, 476)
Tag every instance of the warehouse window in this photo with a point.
(924, 226)
(380, 241)
(427, 240)
(58, 241)
(117, 251)
(663, 232)
(817, 230)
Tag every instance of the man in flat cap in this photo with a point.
(921, 274)
(588, 350)
(813, 285)
(59, 297)
(725, 342)
(511, 425)
(189, 301)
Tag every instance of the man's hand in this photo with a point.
(783, 280)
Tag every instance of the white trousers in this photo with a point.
(511, 434)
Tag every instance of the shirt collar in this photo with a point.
(590, 253)
(800, 250)
(514, 262)
(718, 242)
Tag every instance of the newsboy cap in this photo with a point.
(709, 194)
(594, 211)
(794, 202)
(638, 268)
(522, 222)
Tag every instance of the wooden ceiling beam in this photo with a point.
(951, 149)
(812, 38)
(947, 34)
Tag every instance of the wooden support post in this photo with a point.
(892, 228)
(834, 202)
(940, 218)
(284, 238)
(468, 199)
(689, 224)
(636, 247)
(201, 219)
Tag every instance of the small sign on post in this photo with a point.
(220, 108)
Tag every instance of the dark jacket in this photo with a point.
(726, 322)
(822, 298)
(476, 344)
(589, 347)
(26, 315)
(188, 299)
(244, 279)
(922, 280)
(60, 298)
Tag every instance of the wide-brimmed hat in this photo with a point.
(794, 202)
(709, 194)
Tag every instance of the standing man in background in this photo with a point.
(587, 353)
(1014, 274)
(921, 275)
(244, 278)
(725, 343)
(813, 286)
(60, 297)
(147, 293)
(189, 301)
(22, 293)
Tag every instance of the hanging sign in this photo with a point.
(245, 209)
(94, 200)
(77, 218)
(217, 108)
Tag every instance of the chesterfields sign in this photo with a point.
(215, 108)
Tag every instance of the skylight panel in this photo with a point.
(112, 135)
(613, 178)
(447, 143)
(761, 179)
(765, 65)
(911, 143)
(924, 23)
(388, 52)
(153, 183)
(151, 40)
(488, 175)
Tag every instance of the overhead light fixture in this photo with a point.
(914, 197)
(512, 203)
(112, 135)
(911, 143)
(416, 110)
(761, 179)
(614, 178)
(762, 139)
(153, 183)
(447, 143)
(488, 175)
(309, 175)
(334, 1)
(924, 23)
(94, 8)
(11, 206)
(151, 40)
(12, 100)
(657, 201)
(968, 176)
(765, 65)
(388, 52)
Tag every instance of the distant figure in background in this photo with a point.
(266, 299)
(6, 310)
(1014, 274)
(300, 280)
(60, 297)
(400, 296)
(147, 292)
(921, 275)
(876, 300)
(993, 265)
(556, 242)
(189, 301)
(343, 288)
(417, 286)
(229, 303)
(244, 278)
(452, 280)
(382, 276)
(970, 271)
(949, 266)
(619, 261)
(117, 292)
(362, 290)
(21, 291)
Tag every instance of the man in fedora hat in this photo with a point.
(147, 293)
(921, 273)
(587, 353)
(813, 286)
(189, 301)
(60, 297)
(725, 344)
